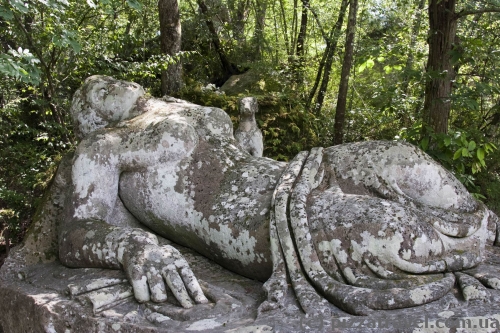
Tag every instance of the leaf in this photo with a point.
(465, 152)
(19, 5)
(75, 45)
(480, 154)
(463, 139)
(489, 147)
(425, 143)
(478, 196)
(457, 154)
(6, 13)
(67, 38)
(134, 4)
(475, 168)
(472, 104)
(447, 141)
(455, 56)
(472, 145)
(461, 168)
(362, 67)
(91, 4)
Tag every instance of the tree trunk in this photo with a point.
(170, 42)
(325, 70)
(228, 68)
(440, 72)
(239, 14)
(285, 28)
(301, 38)
(338, 137)
(260, 21)
(415, 30)
(299, 61)
(293, 29)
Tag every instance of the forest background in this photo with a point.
(324, 72)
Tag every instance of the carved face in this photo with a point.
(103, 100)
(248, 106)
(114, 99)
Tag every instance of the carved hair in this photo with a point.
(85, 114)
(92, 108)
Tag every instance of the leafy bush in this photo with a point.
(30, 148)
(464, 153)
(286, 125)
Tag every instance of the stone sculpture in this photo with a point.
(357, 227)
(248, 134)
(376, 225)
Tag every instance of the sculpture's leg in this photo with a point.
(277, 285)
(488, 275)
(307, 296)
(471, 288)
(400, 172)
(302, 260)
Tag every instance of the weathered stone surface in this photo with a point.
(40, 301)
(374, 228)
(252, 82)
(52, 298)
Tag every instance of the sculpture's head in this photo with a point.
(101, 101)
(248, 106)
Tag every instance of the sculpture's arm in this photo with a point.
(87, 240)
(147, 265)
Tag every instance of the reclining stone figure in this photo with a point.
(371, 225)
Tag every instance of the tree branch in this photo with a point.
(464, 13)
(318, 22)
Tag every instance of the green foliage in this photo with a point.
(28, 157)
(287, 126)
(21, 65)
(463, 153)
(50, 46)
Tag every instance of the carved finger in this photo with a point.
(177, 287)
(172, 251)
(192, 285)
(139, 283)
(156, 286)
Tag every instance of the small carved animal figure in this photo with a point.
(248, 135)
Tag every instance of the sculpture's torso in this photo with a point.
(213, 198)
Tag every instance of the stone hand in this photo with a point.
(151, 268)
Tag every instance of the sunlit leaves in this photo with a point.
(68, 38)
(19, 5)
(368, 64)
(21, 65)
(91, 4)
(457, 151)
(153, 66)
(134, 4)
